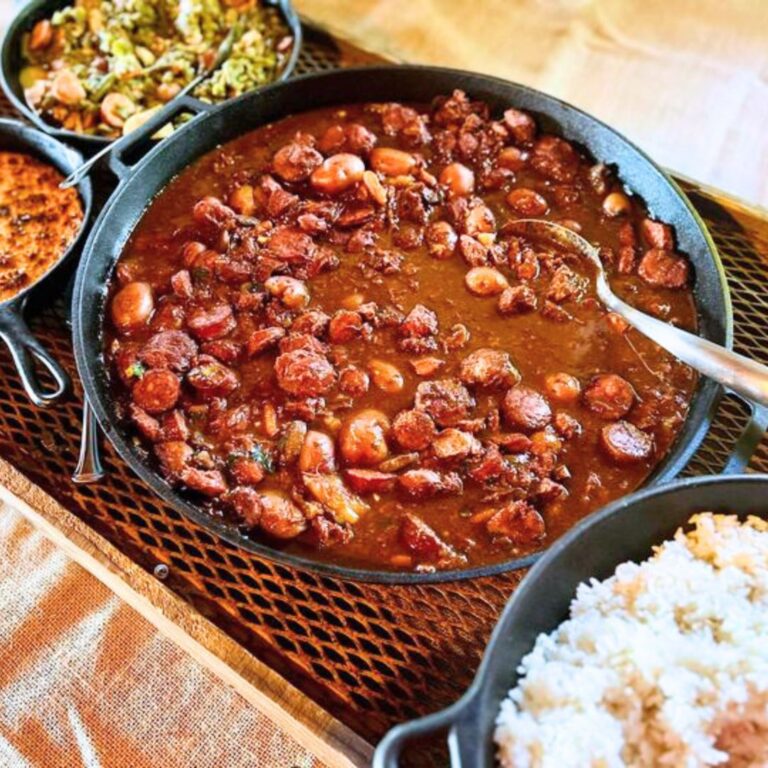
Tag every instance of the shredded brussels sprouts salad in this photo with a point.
(102, 67)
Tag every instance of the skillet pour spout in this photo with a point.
(142, 182)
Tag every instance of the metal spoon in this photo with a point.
(222, 54)
(736, 372)
(89, 468)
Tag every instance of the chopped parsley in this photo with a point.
(135, 371)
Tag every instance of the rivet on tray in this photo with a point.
(161, 571)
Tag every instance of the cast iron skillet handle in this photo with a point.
(455, 717)
(25, 350)
(117, 163)
(748, 441)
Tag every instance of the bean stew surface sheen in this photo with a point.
(324, 332)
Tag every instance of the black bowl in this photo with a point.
(26, 351)
(29, 14)
(628, 529)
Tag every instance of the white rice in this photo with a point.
(663, 664)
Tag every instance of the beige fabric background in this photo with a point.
(86, 681)
(687, 80)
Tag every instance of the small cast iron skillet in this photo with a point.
(11, 64)
(628, 529)
(220, 124)
(25, 349)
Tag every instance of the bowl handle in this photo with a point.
(25, 349)
(387, 754)
(749, 439)
(118, 150)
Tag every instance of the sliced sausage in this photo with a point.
(263, 339)
(414, 430)
(304, 373)
(169, 349)
(156, 391)
(489, 368)
(212, 379)
(453, 444)
(370, 480)
(173, 455)
(280, 517)
(419, 539)
(212, 323)
(147, 425)
(519, 522)
(423, 483)
(246, 471)
(246, 504)
(624, 443)
(664, 269)
(516, 300)
(657, 235)
(209, 482)
(609, 396)
(296, 161)
(447, 401)
(526, 409)
(173, 426)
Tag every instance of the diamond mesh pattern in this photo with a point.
(373, 655)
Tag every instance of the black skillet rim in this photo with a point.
(705, 399)
(39, 9)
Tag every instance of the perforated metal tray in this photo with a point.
(372, 655)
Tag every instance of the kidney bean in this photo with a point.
(156, 391)
(616, 204)
(132, 306)
(386, 377)
(293, 293)
(479, 220)
(526, 202)
(392, 162)
(362, 439)
(512, 158)
(338, 173)
(485, 281)
(318, 453)
(562, 387)
(459, 179)
(441, 240)
(426, 366)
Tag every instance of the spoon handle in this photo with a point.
(736, 372)
(89, 468)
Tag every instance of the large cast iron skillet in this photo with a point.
(139, 184)
(26, 351)
(33, 11)
(625, 530)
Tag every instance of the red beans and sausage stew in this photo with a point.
(325, 331)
